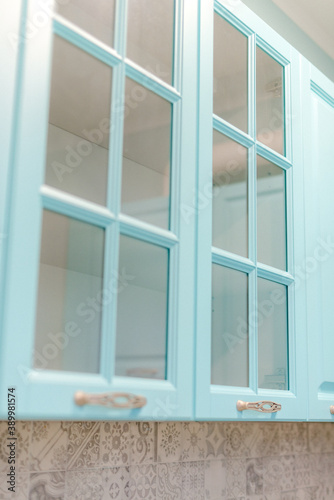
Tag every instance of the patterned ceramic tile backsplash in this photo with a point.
(171, 461)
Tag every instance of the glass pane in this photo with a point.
(79, 123)
(97, 18)
(150, 36)
(146, 155)
(230, 201)
(272, 335)
(68, 318)
(229, 348)
(269, 101)
(271, 217)
(141, 345)
(230, 74)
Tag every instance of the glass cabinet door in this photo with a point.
(248, 222)
(103, 258)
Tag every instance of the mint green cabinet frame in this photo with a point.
(10, 29)
(49, 394)
(214, 401)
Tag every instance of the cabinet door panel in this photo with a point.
(269, 102)
(230, 96)
(68, 329)
(318, 271)
(272, 335)
(254, 222)
(271, 214)
(139, 292)
(141, 336)
(229, 348)
(96, 19)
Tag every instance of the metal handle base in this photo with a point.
(259, 406)
(110, 399)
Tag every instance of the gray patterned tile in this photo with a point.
(115, 444)
(303, 471)
(214, 440)
(83, 445)
(117, 460)
(115, 483)
(3, 443)
(84, 485)
(236, 498)
(236, 438)
(278, 473)
(22, 443)
(215, 479)
(169, 481)
(47, 486)
(143, 482)
(254, 476)
(169, 442)
(192, 441)
(322, 466)
(235, 477)
(193, 480)
(293, 438)
(264, 440)
(300, 494)
(325, 491)
(276, 495)
(48, 449)
(143, 442)
(20, 489)
(320, 437)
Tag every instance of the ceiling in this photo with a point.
(316, 19)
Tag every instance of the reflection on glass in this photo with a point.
(68, 317)
(269, 101)
(79, 123)
(97, 18)
(272, 335)
(229, 347)
(271, 220)
(229, 204)
(141, 344)
(150, 36)
(230, 74)
(146, 155)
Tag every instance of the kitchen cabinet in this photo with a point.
(250, 237)
(162, 203)
(100, 261)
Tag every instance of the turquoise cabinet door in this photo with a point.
(251, 342)
(10, 42)
(100, 252)
(318, 269)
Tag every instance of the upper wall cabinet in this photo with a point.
(166, 212)
(100, 262)
(318, 270)
(250, 323)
